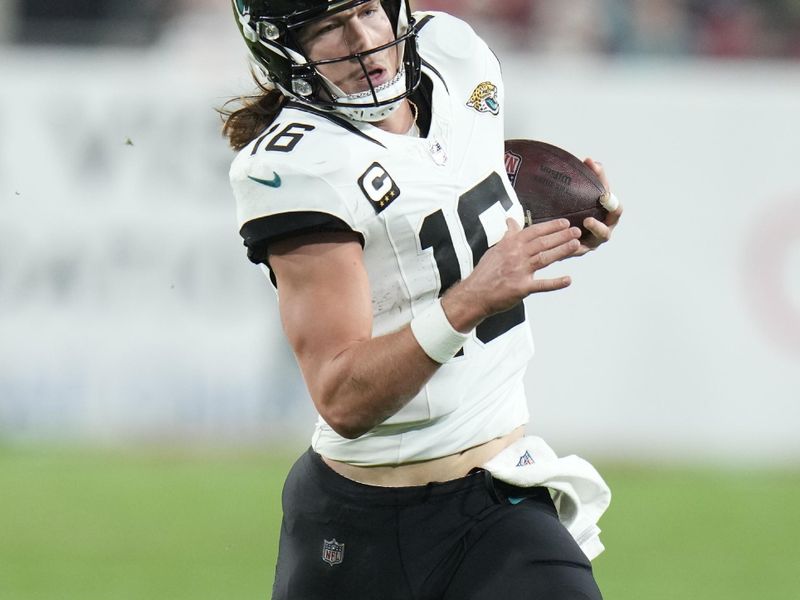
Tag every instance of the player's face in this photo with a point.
(349, 32)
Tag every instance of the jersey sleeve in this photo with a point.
(278, 201)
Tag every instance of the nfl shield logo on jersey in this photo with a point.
(332, 552)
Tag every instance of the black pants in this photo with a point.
(459, 540)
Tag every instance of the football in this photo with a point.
(551, 184)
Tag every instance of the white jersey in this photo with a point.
(426, 210)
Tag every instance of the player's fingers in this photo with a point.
(555, 254)
(613, 217)
(545, 228)
(597, 167)
(512, 225)
(598, 229)
(549, 285)
(609, 201)
(547, 242)
(583, 249)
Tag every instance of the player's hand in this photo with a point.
(506, 274)
(600, 231)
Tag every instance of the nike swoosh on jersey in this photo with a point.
(275, 182)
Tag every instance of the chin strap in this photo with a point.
(370, 114)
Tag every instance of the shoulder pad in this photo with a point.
(447, 35)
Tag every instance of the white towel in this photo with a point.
(578, 491)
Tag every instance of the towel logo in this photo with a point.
(332, 552)
(525, 459)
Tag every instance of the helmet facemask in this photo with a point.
(271, 29)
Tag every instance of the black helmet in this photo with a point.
(270, 29)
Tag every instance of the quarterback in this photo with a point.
(370, 187)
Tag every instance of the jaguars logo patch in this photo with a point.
(484, 98)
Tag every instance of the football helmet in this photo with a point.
(270, 29)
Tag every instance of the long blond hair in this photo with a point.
(245, 117)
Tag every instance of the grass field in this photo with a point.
(174, 525)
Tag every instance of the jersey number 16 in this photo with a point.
(435, 234)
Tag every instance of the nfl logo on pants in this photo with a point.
(332, 552)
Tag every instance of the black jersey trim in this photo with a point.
(428, 65)
(423, 98)
(424, 21)
(341, 122)
(260, 233)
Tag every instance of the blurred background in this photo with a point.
(149, 406)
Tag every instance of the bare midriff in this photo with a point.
(441, 469)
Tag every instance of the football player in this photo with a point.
(371, 188)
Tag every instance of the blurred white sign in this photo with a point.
(128, 308)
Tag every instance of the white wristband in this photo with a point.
(436, 335)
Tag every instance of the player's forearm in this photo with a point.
(463, 307)
(370, 381)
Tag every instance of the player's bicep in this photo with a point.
(325, 302)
